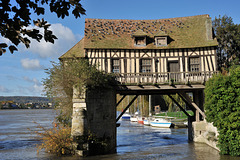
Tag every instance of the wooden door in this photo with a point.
(173, 68)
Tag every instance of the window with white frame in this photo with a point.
(194, 64)
(146, 65)
(115, 66)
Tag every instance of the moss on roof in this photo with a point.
(185, 32)
(139, 33)
(160, 33)
(76, 51)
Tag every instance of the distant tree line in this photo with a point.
(25, 99)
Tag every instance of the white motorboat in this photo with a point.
(146, 122)
(133, 119)
(160, 122)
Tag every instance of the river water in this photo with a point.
(134, 141)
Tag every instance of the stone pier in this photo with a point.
(204, 132)
(94, 121)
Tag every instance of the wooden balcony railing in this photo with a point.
(164, 78)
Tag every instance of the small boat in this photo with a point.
(140, 120)
(160, 122)
(146, 122)
(133, 119)
(126, 117)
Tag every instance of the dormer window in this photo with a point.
(140, 38)
(161, 39)
(140, 41)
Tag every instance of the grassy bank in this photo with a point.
(177, 115)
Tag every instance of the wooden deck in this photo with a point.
(164, 78)
(162, 83)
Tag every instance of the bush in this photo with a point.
(63, 76)
(222, 105)
(57, 140)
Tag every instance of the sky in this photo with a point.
(21, 73)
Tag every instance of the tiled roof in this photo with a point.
(184, 32)
(76, 51)
(160, 33)
(139, 33)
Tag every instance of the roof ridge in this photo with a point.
(202, 15)
(66, 54)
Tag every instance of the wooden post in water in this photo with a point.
(150, 105)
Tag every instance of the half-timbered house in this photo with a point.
(178, 50)
(146, 56)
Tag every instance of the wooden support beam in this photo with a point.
(127, 107)
(187, 103)
(178, 105)
(193, 104)
(120, 100)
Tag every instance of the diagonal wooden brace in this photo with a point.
(178, 105)
(192, 103)
(120, 100)
(127, 107)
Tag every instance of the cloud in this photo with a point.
(31, 64)
(35, 88)
(66, 39)
(38, 88)
(34, 80)
(31, 90)
(4, 40)
(3, 89)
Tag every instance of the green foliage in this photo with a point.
(178, 115)
(171, 105)
(228, 37)
(15, 20)
(222, 105)
(62, 77)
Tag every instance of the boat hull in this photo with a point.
(146, 122)
(161, 124)
(140, 120)
(126, 117)
(133, 119)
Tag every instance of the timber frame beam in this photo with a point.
(121, 100)
(198, 110)
(178, 105)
